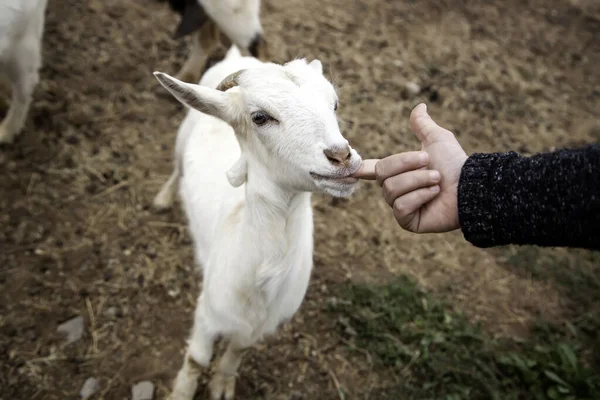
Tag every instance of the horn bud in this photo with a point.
(230, 81)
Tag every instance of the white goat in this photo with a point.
(252, 223)
(205, 20)
(21, 31)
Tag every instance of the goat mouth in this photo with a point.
(337, 179)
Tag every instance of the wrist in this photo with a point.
(477, 198)
(455, 224)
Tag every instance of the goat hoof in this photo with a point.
(163, 201)
(181, 395)
(6, 136)
(222, 387)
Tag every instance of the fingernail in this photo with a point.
(434, 175)
(435, 189)
(423, 157)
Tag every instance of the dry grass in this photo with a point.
(78, 238)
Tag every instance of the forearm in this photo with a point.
(549, 199)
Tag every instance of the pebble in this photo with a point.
(142, 391)
(73, 329)
(413, 88)
(90, 386)
(111, 312)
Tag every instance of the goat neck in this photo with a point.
(273, 212)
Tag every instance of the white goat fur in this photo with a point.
(239, 20)
(253, 234)
(21, 31)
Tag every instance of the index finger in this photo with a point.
(400, 163)
(366, 170)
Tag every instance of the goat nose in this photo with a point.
(337, 155)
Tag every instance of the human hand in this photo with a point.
(421, 187)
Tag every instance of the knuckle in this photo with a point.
(447, 132)
(379, 170)
(388, 188)
(399, 207)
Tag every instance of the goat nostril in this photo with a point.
(333, 156)
(338, 156)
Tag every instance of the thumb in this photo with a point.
(424, 128)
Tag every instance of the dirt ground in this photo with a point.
(78, 238)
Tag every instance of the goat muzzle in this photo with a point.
(259, 48)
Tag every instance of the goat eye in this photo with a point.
(335, 106)
(260, 118)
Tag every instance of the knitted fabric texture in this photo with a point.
(549, 199)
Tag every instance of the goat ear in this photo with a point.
(316, 65)
(238, 173)
(203, 99)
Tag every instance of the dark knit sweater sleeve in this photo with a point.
(549, 199)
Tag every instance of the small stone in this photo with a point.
(412, 88)
(90, 386)
(73, 328)
(151, 251)
(142, 391)
(111, 312)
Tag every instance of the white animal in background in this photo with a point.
(259, 138)
(21, 32)
(205, 20)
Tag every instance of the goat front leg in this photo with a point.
(164, 199)
(222, 385)
(24, 76)
(204, 41)
(197, 357)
